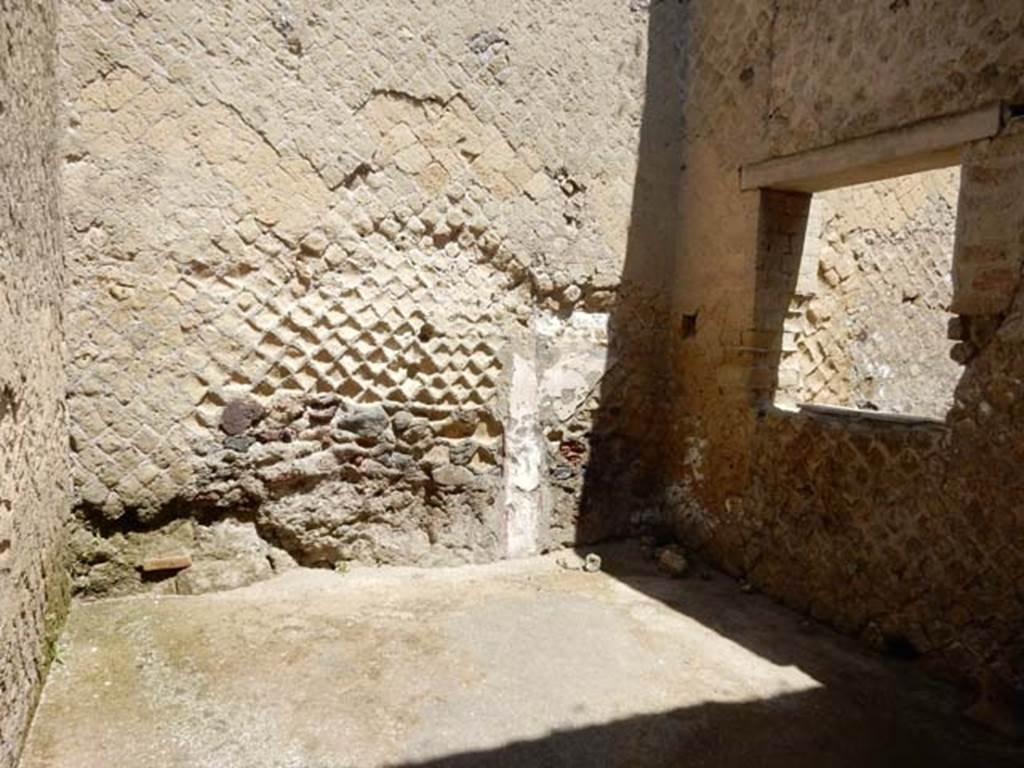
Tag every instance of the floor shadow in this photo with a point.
(784, 732)
(868, 711)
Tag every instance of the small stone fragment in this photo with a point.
(672, 561)
(562, 473)
(402, 421)
(322, 400)
(454, 476)
(462, 452)
(456, 218)
(364, 421)
(438, 455)
(239, 443)
(390, 228)
(248, 230)
(416, 433)
(239, 415)
(592, 563)
(321, 415)
(315, 242)
(285, 410)
(275, 436)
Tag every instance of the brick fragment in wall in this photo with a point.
(167, 561)
(239, 415)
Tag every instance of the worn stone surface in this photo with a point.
(281, 204)
(509, 664)
(34, 476)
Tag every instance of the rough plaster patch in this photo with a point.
(524, 459)
(574, 353)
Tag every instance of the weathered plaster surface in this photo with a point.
(525, 458)
(34, 476)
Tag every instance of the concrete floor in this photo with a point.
(514, 664)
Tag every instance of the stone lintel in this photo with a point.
(922, 146)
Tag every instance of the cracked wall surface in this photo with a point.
(347, 220)
(867, 326)
(34, 476)
(905, 535)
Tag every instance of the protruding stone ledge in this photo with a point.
(922, 146)
(859, 414)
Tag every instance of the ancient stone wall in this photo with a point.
(34, 476)
(907, 535)
(382, 282)
(341, 275)
(867, 326)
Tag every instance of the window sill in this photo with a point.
(858, 414)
